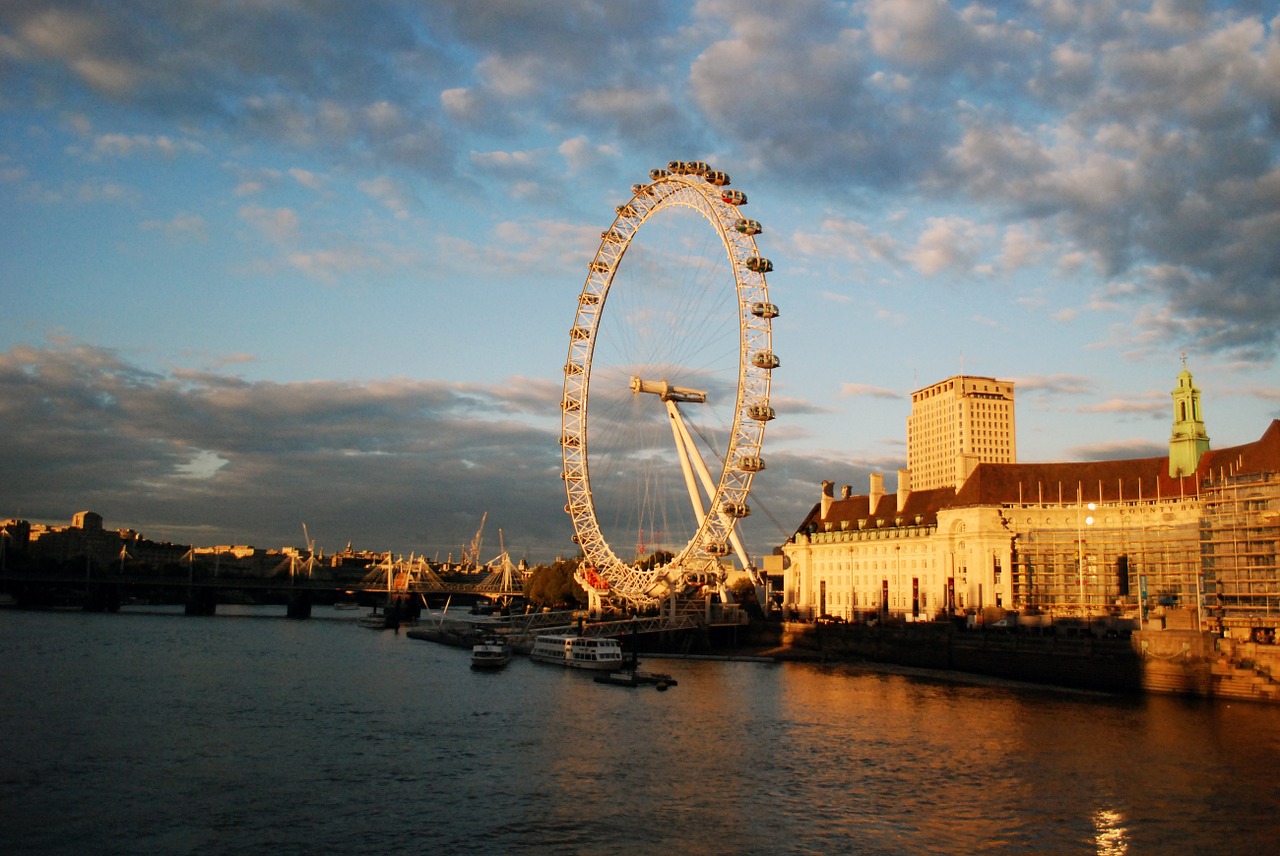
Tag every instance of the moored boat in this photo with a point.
(490, 653)
(577, 652)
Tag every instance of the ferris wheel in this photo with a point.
(666, 389)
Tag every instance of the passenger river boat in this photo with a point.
(577, 652)
(490, 653)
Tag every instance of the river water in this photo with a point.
(159, 733)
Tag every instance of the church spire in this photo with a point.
(1189, 440)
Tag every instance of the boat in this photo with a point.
(577, 652)
(636, 679)
(490, 653)
(630, 675)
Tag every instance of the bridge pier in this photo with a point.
(201, 601)
(101, 597)
(299, 604)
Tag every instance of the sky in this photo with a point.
(272, 263)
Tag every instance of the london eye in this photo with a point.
(666, 390)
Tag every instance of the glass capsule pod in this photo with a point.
(716, 548)
(750, 464)
(736, 509)
(761, 412)
(734, 197)
(658, 172)
(716, 177)
(766, 360)
(611, 237)
(748, 227)
(764, 310)
(759, 265)
(626, 210)
(598, 266)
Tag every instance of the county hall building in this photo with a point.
(968, 530)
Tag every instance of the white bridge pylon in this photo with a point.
(691, 461)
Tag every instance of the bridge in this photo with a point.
(202, 589)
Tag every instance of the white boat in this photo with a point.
(577, 652)
(490, 653)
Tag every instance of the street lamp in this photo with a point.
(1088, 521)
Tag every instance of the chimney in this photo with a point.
(846, 492)
(904, 488)
(827, 497)
(877, 491)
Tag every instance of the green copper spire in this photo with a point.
(1189, 440)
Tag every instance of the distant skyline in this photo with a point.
(267, 264)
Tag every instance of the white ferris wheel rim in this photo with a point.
(700, 191)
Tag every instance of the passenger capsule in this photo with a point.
(716, 177)
(571, 404)
(697, 168)
(611, 237)
(761, 412)
(748, 227)
(759, 265)
(569, 440)
(658, 173)
(734, 197)
(716, 548)
(626, 210)
(750, 464)
(766, 360)
(639, 190)
(764, 310)
(736, 509)
(579, 333)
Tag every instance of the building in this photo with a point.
(956, 424)
(1123, 539)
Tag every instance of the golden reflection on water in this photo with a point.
(1110, 835)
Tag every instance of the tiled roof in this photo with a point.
(1096, 481)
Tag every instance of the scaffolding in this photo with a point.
(1239, 532)
(1138, 555)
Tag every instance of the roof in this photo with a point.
(1095, 481)
(1112, 481)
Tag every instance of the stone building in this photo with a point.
(1144, 540)
(956, 424)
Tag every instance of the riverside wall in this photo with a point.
(1184, 662)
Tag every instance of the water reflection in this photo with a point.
(1110, 836)
(163, 734)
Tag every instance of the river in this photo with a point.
(151, 732)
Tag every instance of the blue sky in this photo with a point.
(266, 263)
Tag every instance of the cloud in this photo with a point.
(391, 194)
(377, 461)
(949, 244)
(181, 225)
(1144, 405)
(1118, 450)
(1054, 384)
(277, 225)
(852, 390)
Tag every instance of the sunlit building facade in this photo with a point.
(957, 424)
(1124, 539)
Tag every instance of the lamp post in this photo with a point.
(1087, 521)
